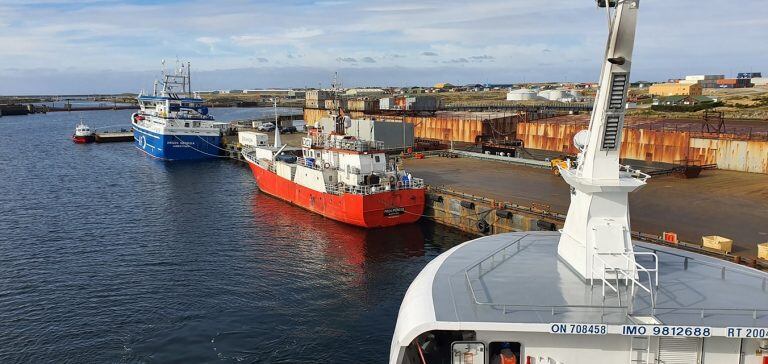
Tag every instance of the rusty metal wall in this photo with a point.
(459, 128)
(735, 155)
(446, 128)
(656, 146)
(639, 144)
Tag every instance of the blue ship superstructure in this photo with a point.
(173, 123)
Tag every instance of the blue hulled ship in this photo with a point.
(173, 123)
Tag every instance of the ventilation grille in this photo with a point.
(611, 137)
(618, 91)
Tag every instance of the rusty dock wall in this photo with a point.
(465, 127)
(482, 216)
(728, 152)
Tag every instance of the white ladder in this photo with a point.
(640, 350)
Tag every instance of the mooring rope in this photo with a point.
(200, 151)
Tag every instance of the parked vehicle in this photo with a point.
(266, 127)
(288, 130)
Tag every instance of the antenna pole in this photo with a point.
(598, 217)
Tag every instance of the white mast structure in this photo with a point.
(278, 142)
(596, 239)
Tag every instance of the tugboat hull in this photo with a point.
(82, 139)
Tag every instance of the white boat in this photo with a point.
(83, 134)
(589, 293)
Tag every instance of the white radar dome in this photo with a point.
(581, 139)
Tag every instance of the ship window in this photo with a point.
(506, 350)
(186, 125)
(465, 352)
(377, 159)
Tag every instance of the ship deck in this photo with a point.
(525, 282)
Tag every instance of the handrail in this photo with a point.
(627, 276)
(636, 173)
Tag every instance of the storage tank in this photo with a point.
(555, 95)
(521, 95)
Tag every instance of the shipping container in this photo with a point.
(361, 105)
(319, 95)
(386, 103)
(252, 139)
(749, 75)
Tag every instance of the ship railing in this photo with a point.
(312, 164)
(627, 274)
(341, 188)
(355, 144)
(635, 173)
(504, 253)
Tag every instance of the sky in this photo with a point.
(111, 46)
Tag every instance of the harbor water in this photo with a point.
(108, 255)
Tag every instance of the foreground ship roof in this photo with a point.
(523, 283)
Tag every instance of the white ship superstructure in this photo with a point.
(587, 294)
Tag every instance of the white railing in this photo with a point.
(627, 274)
(636, 173)
(358, 145)
(312, 165)
(341, 188)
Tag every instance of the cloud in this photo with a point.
(367, 60)
(208, 40)
(293, 36)
(87, 37)
(262, 60)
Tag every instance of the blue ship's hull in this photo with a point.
(176, 147)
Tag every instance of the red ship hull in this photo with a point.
(83, 139)
(382, 209)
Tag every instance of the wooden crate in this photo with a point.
(719, 243)
(762, 251)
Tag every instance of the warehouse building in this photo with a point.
(672, 89)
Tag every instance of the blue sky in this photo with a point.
(58, 46)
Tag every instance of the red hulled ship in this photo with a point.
(340, 177)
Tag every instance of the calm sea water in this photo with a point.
(107, 255)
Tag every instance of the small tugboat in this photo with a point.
(83, 134)
(340, 177)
